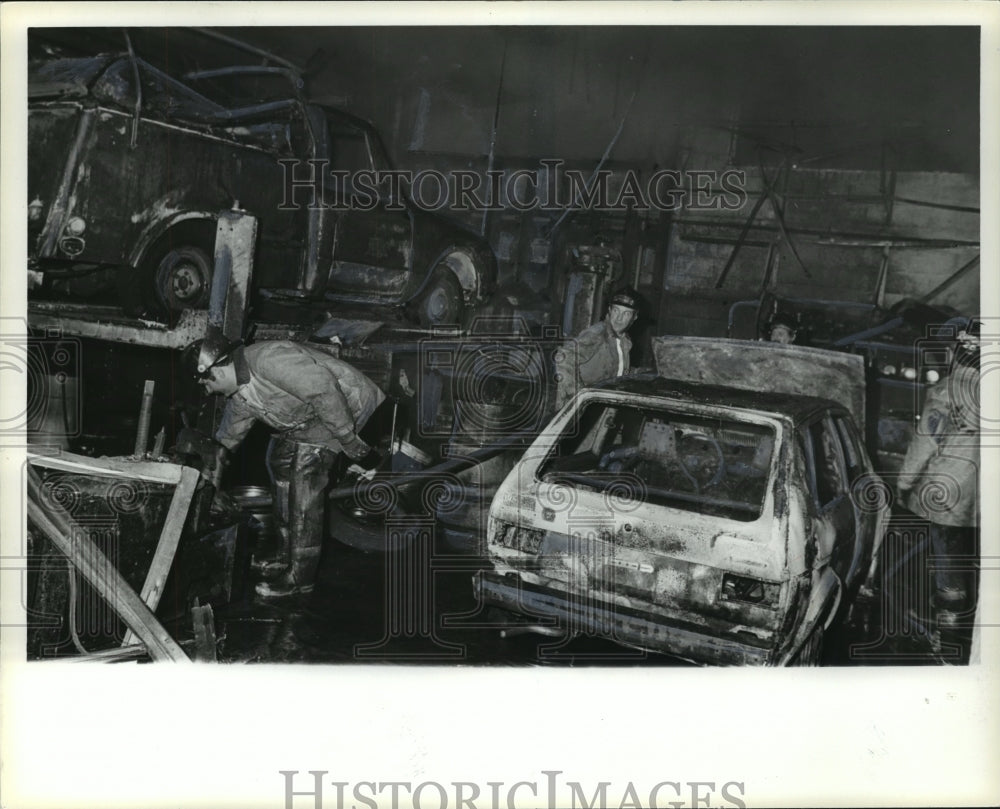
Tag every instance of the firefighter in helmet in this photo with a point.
(598, 352)
(316, 404)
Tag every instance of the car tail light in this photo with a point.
(515, 537)
(750, 591)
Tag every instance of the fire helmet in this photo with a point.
(627, 297)
(203, 355)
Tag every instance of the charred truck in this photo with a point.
(129, 166)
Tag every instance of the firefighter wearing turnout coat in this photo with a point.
(939, 477)
(317, 405)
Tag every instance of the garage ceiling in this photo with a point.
(832, 96)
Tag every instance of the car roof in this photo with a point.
(790, 406)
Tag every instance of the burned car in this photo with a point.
(723, 511)
(129, 167)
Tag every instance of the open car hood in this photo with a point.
(765, 366)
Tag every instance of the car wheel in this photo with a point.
(366, 531)
(183, 279)
(442, 304)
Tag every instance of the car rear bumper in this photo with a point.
(625, 625)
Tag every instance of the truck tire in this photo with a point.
(442, 303)
(182, 278)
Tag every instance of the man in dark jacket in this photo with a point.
(598, 352)
(317, 404)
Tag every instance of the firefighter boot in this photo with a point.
(298, 578)
(280, 467)
(949, 604)
(309, 474)
(271, 566)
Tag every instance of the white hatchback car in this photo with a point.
(722, 511)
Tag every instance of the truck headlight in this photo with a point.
(76, 226)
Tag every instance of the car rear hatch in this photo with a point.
(695, 570)
(765, 367)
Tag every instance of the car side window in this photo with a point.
(825, 462)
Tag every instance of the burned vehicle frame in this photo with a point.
(715, 523)
(129, 167)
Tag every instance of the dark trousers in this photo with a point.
(955, 565)
(299, 475)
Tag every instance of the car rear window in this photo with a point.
(711, 466)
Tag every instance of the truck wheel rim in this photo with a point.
(185, 281)
(437, 304)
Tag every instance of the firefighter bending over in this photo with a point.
(317, 404)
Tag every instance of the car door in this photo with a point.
(373, 252)
(868, 518)
(834, 520)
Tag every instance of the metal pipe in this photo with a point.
(145, 412)
(239, 113)
(493, 138)
(246, 46)
(742, 237)
(770, 269)
(883, 278)
(537, 629)
(244, 70)
(869, 244)
(908, 201)
(719, 240)
(392, 431)
(138, 89)
(453, 465)
(876, 241)
(779, 217)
